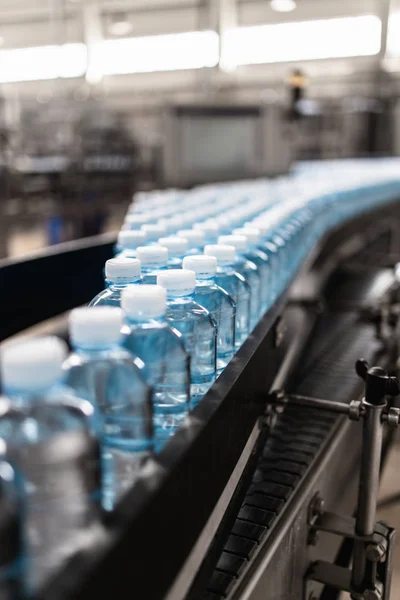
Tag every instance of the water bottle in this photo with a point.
(236, 286)
(261, 259)
(196, 325)
(148, 336)
(153, 260)
(47, 430)
(195, 238)
(102, 372)
(177, 249)
(250, 272)
(217, 301)
(153, 232)
(119, 273)
(128, 241)
(274, 256)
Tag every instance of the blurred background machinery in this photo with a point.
(100, 98)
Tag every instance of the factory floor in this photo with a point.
(390, 485)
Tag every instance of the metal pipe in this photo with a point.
(306, 402)
(368, 487)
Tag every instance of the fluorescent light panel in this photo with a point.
(43, 62)
(393, 40)
(191, 50)
(304, 40)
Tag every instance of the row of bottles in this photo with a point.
(194, 273)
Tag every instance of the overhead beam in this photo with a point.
(227, 20)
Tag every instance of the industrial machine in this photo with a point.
(216, 142)
(270, 490)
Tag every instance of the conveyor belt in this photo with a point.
(294, 443)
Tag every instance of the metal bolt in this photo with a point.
(315, 510)
(375, 552)
(392, 417)
(355, 410)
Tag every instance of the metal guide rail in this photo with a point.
(158, 541)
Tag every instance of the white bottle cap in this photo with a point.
(135, 221)
(32, 365)
(177, 246)
(131, 239)
(143, 302)
(153, 231)
(122, 269)
(152, 256)
(95, 327)
(195, 237)
(210, 228)
(204, 266)
(224, 253)
(177, 282)
(253, 235)
(238, 241)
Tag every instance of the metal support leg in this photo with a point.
(370, 576)
(368, 490)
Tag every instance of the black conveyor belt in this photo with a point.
(338, 340)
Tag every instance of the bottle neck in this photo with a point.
(23, 398)
(120, 285)
(205, 282)
(181, 299)
(146, 270)
(146, 321)
(94, 350)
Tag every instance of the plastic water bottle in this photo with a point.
(148, 336)
(198, 328)
(217, 301)
(236, 286)
(128, 241)
(105, 374)
(153, 260)
(250, 272)
(195, 238)
(119, 273)
(153, 232)
(260, 258)
(177, 249)
(47, 433)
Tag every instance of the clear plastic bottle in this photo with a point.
(177, 249)
(128, 241)
(236, 286)
(148, 336)
(47, 432)
(260, 258)
(195, 238)
(196, 325)
(217, 301)
(102, 372)
(153, 260)
(250, 272)
(119, 273)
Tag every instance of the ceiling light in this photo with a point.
(120, 26)
(283, 5)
